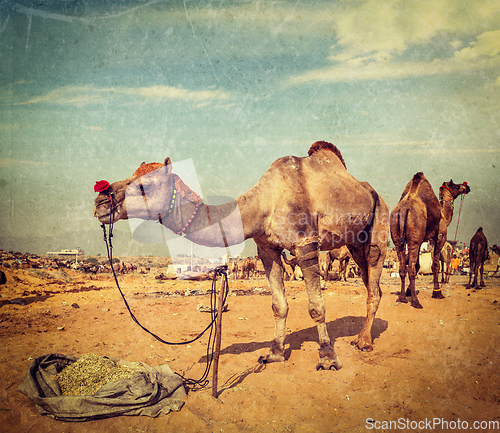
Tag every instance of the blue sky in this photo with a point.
(90, 89)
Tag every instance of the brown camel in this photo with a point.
(340, 254)
(445, 261)
(302, 204)
(249, 267)
(478, 254)
(496, 250)
(232, 268)
(292, 262)
(419, 217)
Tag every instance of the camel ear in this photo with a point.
(168, 164)
(142, 163)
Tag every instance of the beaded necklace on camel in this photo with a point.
(441, 198)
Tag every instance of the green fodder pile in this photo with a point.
(89, 373)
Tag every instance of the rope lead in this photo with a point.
(454, 241)
(193, 384)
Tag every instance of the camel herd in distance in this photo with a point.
(317, 186)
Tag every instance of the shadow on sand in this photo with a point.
(348, 326)
(25, 300)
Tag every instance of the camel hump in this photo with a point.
(318, 145)
(417, 178)
(147, 168)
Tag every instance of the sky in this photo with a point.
(89, 89)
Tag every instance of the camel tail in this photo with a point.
(401, 226)
(473, 252)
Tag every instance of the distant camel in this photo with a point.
(419, 217)
(445, 260)
(294, 264)
(496, 250)
(249, 267)
(343, 256)
(478, 254)
(232, 267)
(302, 204)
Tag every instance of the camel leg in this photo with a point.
(438, 246)
(481, 272)
(370, 265)
(308, 260)
(343, 268)
(471, 272)
(329, 262)
(271, 259)
(402, 276)
(413, 267)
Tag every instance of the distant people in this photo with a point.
(455, 265)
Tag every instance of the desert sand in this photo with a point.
(429, 367)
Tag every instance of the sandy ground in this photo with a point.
(439, 364)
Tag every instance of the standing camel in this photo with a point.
(478, 254)
(249, 267)
(340, 254)
(302, 204)
(496, 250)
(445, 261)
(293, 263)
(419, 217)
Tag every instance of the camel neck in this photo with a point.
(207, 225)
(447, 201)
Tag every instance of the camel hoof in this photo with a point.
(402, 300)
(320, 367)
(437, 295)
(363, 347)
(416, 305)
(270, 358)
(331, 365)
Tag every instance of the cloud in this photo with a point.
(349, 71)
(167, 92)
(486, 44)
(373, 37)
(83, 95)
(10, 162)
(77, 95)
(389, 27)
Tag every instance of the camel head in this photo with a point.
(454, 189)
(149, 194)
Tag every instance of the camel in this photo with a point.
(445, 261)
(232, 267)
(340, 254)
(293, 263)
(496, 250)
(249, 267)
(302, 204)
(478, 254)
(419, 217)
